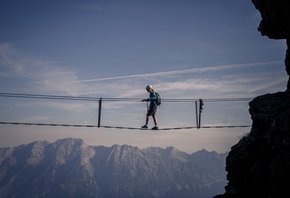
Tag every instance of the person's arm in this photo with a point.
(145, 100)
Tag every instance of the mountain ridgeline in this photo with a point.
(70, 168)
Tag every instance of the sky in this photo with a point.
(186, 49)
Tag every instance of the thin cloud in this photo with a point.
(50, 77)
(177, 72)
(265, 84)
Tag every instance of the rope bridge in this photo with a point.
(199, 105)
(115, 127)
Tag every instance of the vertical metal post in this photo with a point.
(200, 111)
(100, 112)
(196, 115)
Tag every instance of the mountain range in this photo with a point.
(70, 168)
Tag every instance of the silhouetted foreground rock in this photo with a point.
(275, 24)
(259, 164)
(275, 18)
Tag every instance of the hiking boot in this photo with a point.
(144, 127)
(155, 128)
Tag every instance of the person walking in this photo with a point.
(151, 110)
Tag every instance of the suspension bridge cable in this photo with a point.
(59, 97)
(119, 127)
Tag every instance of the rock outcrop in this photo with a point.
(258, 165)
(275, 24)
(275, 18)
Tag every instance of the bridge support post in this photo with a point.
(198, 111)
(196, 115)
(100, 113)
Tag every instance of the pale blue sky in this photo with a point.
(185, 49)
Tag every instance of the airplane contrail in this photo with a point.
(176, 72)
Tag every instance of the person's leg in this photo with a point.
(147, 121)
(155, 120)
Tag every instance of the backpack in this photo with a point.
(158, 99)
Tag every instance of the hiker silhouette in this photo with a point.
(152, 108)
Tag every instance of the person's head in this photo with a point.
(149, 88)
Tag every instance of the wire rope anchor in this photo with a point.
(199, 106)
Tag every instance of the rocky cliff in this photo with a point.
(258, 165)
(275, 24)
(275, 18)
